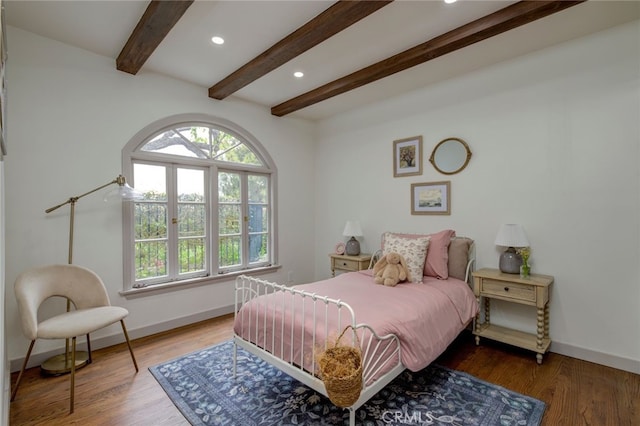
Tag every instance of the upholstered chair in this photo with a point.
(90, 310)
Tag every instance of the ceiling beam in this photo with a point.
(156, 22)
(336, 18)
(505, 19)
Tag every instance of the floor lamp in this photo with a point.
(61, 364)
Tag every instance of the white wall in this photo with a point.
(555, 140)
(555, 137)
(70, 114)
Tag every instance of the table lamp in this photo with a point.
(512, 236)
(352, 229)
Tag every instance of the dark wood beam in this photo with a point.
(505, 19)
(336, 18)
(156, 22)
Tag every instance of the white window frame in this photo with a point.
(131, 154)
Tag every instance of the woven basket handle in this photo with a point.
(344, 331)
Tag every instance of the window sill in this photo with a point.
(195, 282)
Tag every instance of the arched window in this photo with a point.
(208, 207)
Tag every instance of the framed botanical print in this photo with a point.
(407, 156)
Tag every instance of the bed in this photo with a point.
(403, 327)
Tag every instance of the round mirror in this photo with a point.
(450, 156)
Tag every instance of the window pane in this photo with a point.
(190, 185)
(239, 154)
(150, 221)
(258, 189)
(150, 259)
(258, 248)
(171, 142)
(229, 219)
(200, 144)
(229, 251)
(192, 255)
(191, 220)
(195, 141)
(191, 199)
(228, 187)
(151, 181)
(258, 218)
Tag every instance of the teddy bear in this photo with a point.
(390, 269)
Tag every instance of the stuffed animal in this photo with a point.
(390, 270)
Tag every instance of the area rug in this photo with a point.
(202, 386)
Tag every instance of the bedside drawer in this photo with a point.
(509, 290)
(346, 264)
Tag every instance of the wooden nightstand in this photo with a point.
(534, 291)
(342, 262)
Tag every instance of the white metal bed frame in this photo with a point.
(377, 351)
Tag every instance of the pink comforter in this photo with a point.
(426, 316)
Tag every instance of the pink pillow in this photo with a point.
(437, 263)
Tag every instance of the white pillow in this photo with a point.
(414, 251)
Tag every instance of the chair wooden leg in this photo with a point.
(24, 366)
(126, 336)
(73, 375)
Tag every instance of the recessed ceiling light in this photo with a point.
(217, 40)
(298, 74)
(450, 1)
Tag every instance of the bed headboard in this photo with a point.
(461, 257)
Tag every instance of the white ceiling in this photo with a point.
(251, 27)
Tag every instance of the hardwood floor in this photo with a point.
(110, 393)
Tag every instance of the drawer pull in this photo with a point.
(506, 289)
(344, 264)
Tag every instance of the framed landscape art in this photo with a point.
(431, 198)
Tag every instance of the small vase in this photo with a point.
(524, 271)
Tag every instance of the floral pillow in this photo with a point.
(414, 251)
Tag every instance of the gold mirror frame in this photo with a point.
(458, 160)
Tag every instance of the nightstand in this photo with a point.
(534, 291)
(342, 262)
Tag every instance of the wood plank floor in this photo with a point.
(108, 392)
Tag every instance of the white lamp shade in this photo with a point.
(352, 229)
(511, 235)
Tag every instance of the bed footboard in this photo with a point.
(287, 327)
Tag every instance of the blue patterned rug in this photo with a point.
(201, 385)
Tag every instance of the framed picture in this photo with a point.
(407, 157)
(431, 198)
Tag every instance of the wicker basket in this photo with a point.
(341, 372)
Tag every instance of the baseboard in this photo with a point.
(601, 358)
(117, 338)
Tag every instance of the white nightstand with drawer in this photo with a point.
(534, 290)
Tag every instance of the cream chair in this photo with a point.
(87, 294)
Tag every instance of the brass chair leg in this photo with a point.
(89, 360)
(73, 374)
(126, 336)
(24, 366)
